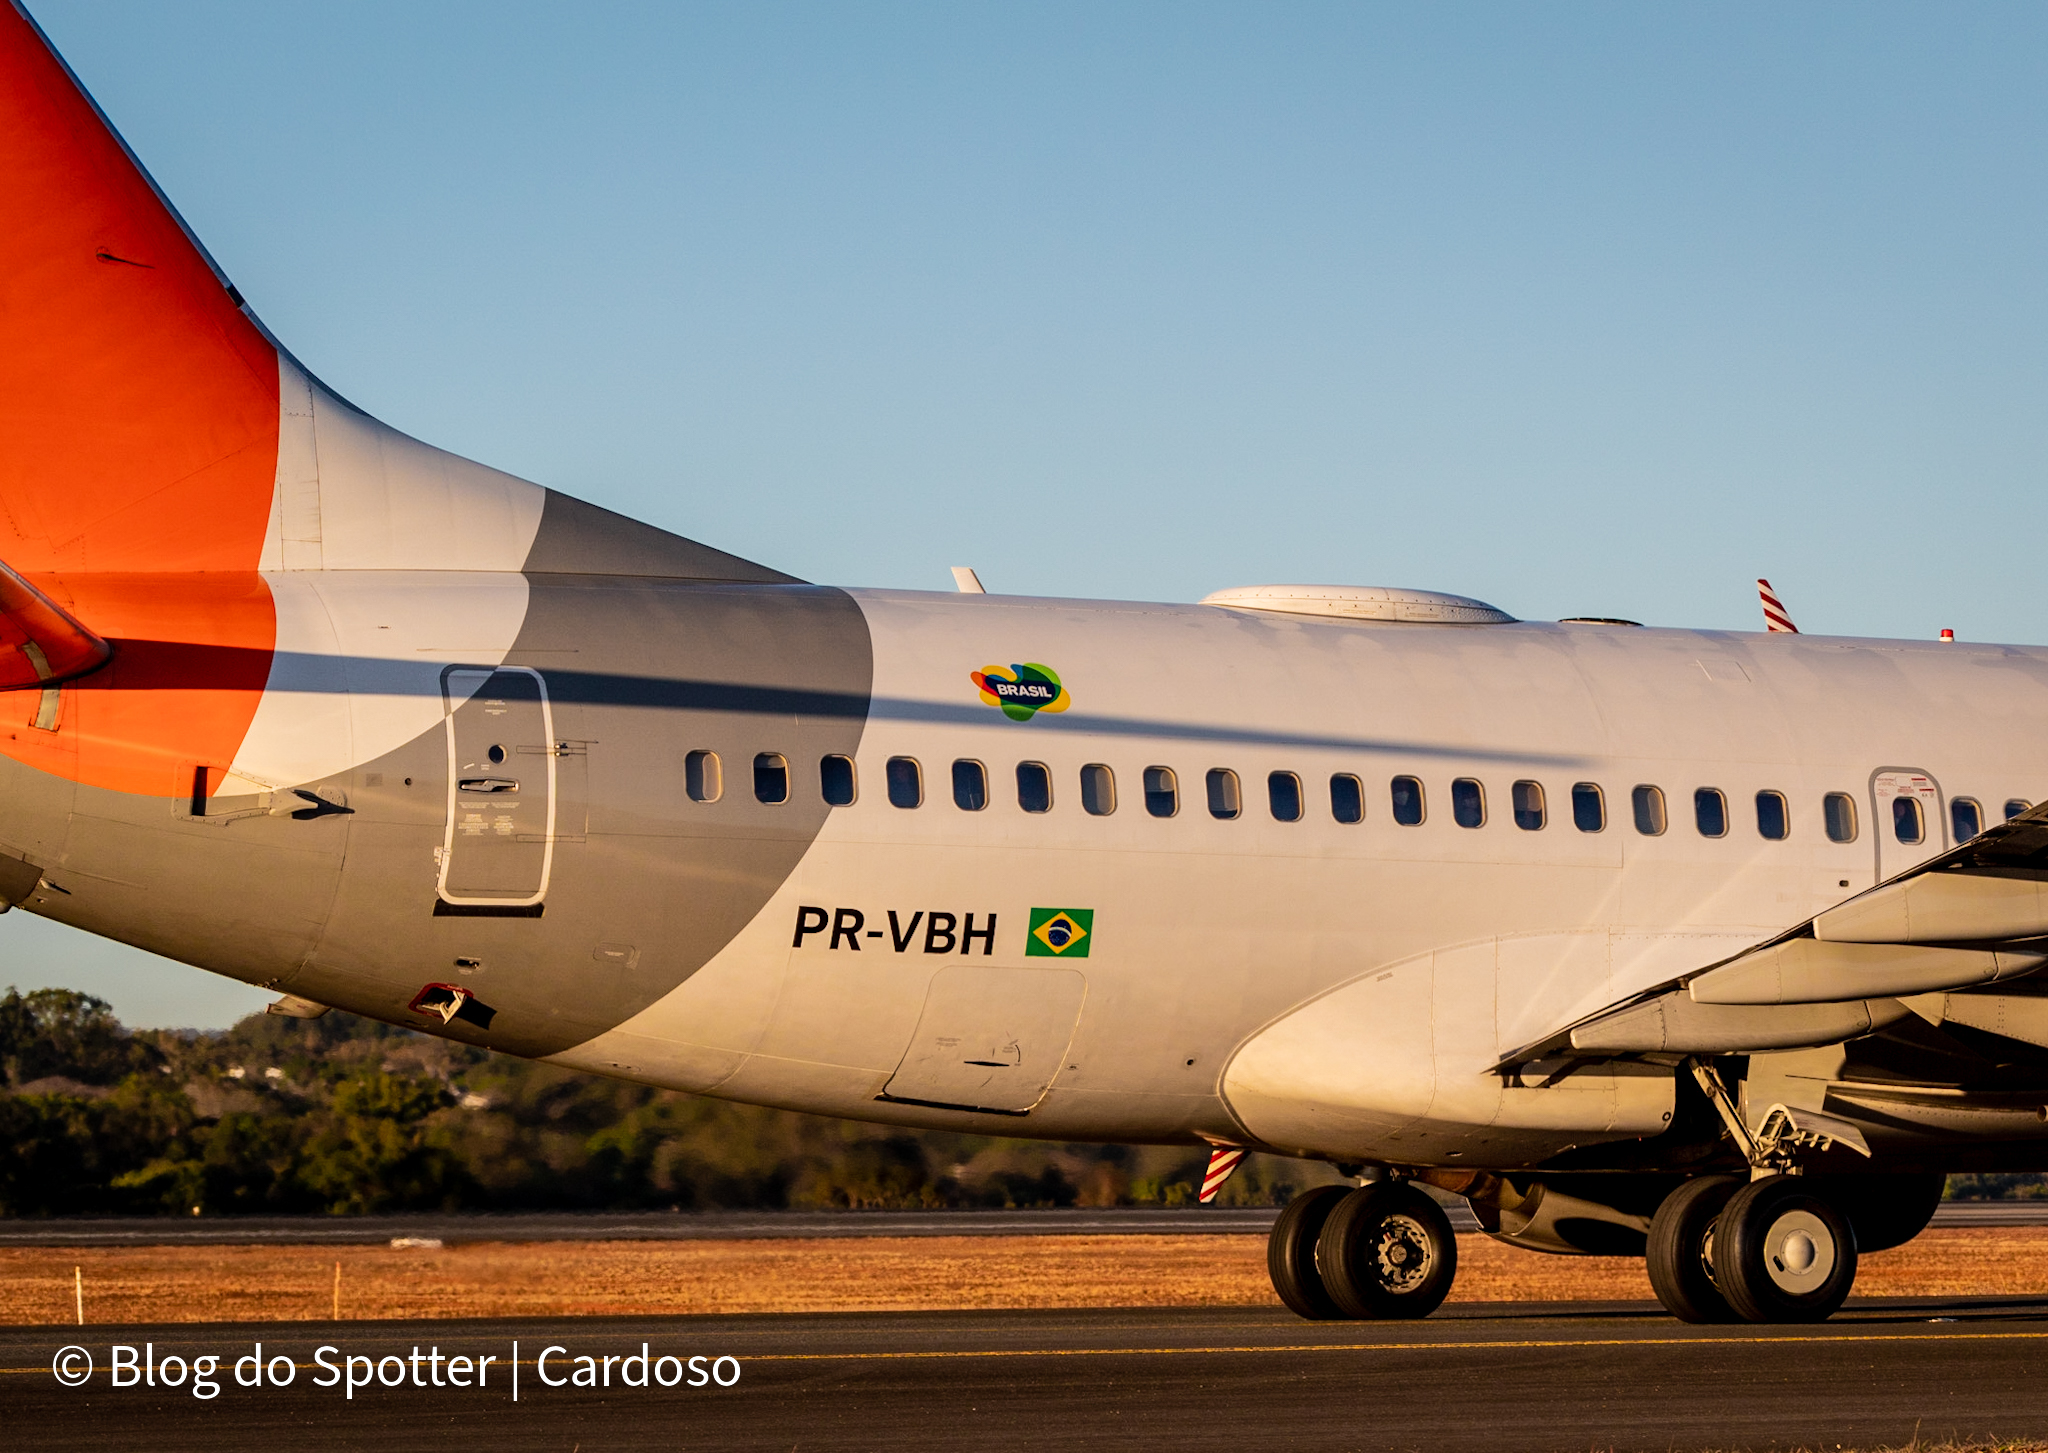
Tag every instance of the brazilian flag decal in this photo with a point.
(1059, 933)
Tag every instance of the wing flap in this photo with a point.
(1807, 971)
(1971, 916)
(1957, 906)
(1674, 1024)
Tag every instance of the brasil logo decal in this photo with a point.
(1059, 933)
(1022, 691)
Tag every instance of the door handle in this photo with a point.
(487, 784)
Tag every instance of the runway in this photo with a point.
(1491, 1379)
(744, 1225)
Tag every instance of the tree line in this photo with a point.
(342, 1115)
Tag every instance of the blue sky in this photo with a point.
(1593, 309)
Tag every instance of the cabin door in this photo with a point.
(501, 788)
(1907, 819)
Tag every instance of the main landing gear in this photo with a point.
(1383, 1250)
(1721, 1248)
(1769, 1250)
(1777, 1246)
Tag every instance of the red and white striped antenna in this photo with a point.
(1775, 617)
(1223, 1160)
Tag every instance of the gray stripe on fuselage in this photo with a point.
(643, 665)
(583, 539)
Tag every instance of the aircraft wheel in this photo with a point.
(1783, 1254)
(1291, 1252)
(1883, 1210)
(1681, 1245)
(1387, 1250)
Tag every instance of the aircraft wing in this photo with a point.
(1943, 940)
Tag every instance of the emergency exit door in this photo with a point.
(501, 787)
(1906, 818)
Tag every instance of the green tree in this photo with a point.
(345, 1115)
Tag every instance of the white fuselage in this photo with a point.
(1321, 987)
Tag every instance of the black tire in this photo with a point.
(1291, 1253)
(1884, 1210)
(1681, 1240)
(1387, 1251)
(1783, 1253)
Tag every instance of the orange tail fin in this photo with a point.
(138, 402)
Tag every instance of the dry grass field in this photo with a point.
(533, 1279)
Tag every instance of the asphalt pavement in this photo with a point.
(1545, 1379)
(744, 1225)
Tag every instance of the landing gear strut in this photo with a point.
(1775, 1249)
(1385, 1250)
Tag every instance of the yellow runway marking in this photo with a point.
(1531, 1344)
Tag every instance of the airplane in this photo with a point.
(1717, 948)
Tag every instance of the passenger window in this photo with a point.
(1098, 790)
(1907, 825)
(1468, 803)
(1839, 810)
(771, 778)
(702, 778)
(1407, 801)
(1528, 804)
(835, 780)
(1224, 801)
(1710, 812)
(1773, 820)
(906, 782)
(970, 785)
(1347, 798)
(1589, 807)
(1162, 792)
(1966, 816)
(1283, 793)
(1649, 806)
(2014, 806)
(1034, 787)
